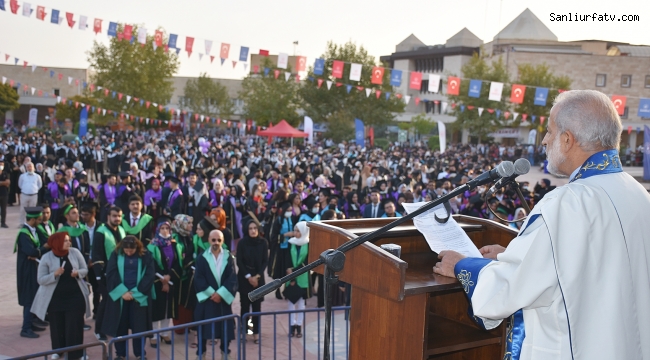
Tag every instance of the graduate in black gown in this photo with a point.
(172, 197)
(137, 223)
(28, 249)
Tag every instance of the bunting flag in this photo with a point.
(13, 5)
(276, 73)
(283, 60)
(643, 112)
(264, 52)
(301, 63)
(287, 75)
(329, 84)
(496, 90)
(112, 28)
(514, 116)
(517, 94)
(27, 9)
(378, 75)
(40, 13)
(189, 43)
(443, 107)
(475, 88)
(480, 111)
(97, 26)
(83, 22)
(416, 81)
(173, 39)
(395, 77)
(128, 32)
(319, 66)
(407, 99)
(355, 72)
(619, 103)
(453, 85)
(377, 93)
(368, 91)
(434, 83)
(243, 55)
(337, 69)
(541, 94)
(142, 36)
(320, 83)
(54, 19)
(208, 46)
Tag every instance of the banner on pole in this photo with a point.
(309, 129)
(359, 133)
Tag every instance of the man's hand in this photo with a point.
(165, 279)
(253, 281)
(448, 260)
(165, 287)
(289, 271)
(127, 296)
(491, 251)
(216, 298)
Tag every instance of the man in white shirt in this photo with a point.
(30, 184)
(576, 281)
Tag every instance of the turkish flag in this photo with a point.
(40, 13)
(128, 32)
(301, 63)
(69, 17)
(453, 85)
(416, 80)
(14, 6)
(158, 38)
(97, 26)
(264, 52)
(517, 94)
(377, 75)
(225, 49)
(337, 69)
(189, 43)
(619, 103)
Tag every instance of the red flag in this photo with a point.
(470, 107)
(40, 92)
(297, 78)
(92, 87)
(128, 32)
(196, 116)
(524, 116)
(211, 59)
(14, 6)
(619, 103)
(76, 104)
(399, 96)
(97, 26)
(69, 17)
(371, 135)
(453, 85)
(320, 82)
(119, 96)
(225, 49)
(76, 82)
(189, 43)
(377, 75)
(301, 63)
(158, 38)
(560, 90)
(256, 69)
(416, 81)
(160, 107)
(87, 107)
(360, 88)
(629, 130)
(106, 92)
(337, 69)
(218, 121)
(276, 73)
(234, 63)
(417, 101)
(120, 36)
(40, 13)
(541, 119)
(264, 52)
(7, 57)
(377, 93)
(24, 63)
(506, 115)
(517, 94)
(147, 104)
(491, 111)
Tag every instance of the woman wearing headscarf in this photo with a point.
(298, 290)
(218, 194)
(252, 259)
(235, 207)
(152, 199)
(182, 234)
(130, 274)
(168, 261)
(63, 295)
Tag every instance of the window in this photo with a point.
(647, 81)
(601, 80)
(626, 81)
(57, 92)
(624, 116)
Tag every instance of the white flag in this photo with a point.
(368, 92)
(355, 72)
(245, 66)
(208, 46)
(287, 75)
(480, 111)
(442, 134)
(4, 80)
(407, 98)
(103, 111)
(283, 60)
(142, 35)
(434, 83)
(444, 107)
(200, 56)
(69, 80)
(514, 116)
(83, 22)
(27, 9)
(33, 91)
(154, 104)
(329, 84)
(202, 117)
(99, 88)
(496, 88)
(61, 19)
(309, 129)
(33, 68)
(128, 98)
(58, 99)
(154, 45)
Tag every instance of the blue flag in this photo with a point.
(646, 152)
(51, 73)
(55, 17)
(319, 66)
(644, 108)
(112, 29)
(359, 133)
(172, 40)
(243, 54)
(396, 77)
(266, 71)
(2, 5)
(83, 122)
(540, 96)
(348, 88)
(475, 88)
(387, 95)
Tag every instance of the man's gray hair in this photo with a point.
(591, 117)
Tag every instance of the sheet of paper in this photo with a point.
(447, 236)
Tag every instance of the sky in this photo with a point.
(378, 25)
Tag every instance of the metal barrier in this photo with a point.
(235, 353)
(44, 355)
(310, 349)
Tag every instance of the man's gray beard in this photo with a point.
(555, 157)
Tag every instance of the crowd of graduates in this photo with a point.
(176, 225)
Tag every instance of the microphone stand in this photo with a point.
(334, 259)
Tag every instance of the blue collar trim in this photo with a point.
(600, 163)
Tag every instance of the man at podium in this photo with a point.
(575, 282)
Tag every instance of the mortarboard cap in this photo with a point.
(34, 212)
(207, 224)
(172, 177)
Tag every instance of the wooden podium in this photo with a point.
(400, 309)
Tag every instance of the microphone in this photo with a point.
(504, 169)
(522, 166)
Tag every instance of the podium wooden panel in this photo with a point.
(400, 309)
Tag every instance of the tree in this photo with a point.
(72, 112)
(339, 127)
(133, 69)
(269, 100)
(208, 97)
(539, 76)
(8, 99)
(323, 105)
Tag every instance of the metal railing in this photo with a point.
(307, 347)
(235, 353)
(44, 355)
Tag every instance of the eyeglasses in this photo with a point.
(216, 241)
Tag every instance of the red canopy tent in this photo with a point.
(282, 129)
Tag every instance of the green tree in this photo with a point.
(72, 112)
(321, 104)
(340, 127)
(132, 69)
(8, 99)
(208, 97)
(539, 76)
(480, 126)
(269, 100)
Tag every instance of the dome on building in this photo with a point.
(526, 26)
